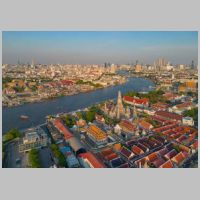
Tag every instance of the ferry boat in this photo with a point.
(24, 117)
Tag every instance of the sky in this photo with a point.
(98, 47)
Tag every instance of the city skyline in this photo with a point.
(98, 47)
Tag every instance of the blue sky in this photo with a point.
(90, 47)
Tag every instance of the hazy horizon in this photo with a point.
(98, 47)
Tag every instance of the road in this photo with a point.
(45, 157)
(12, 155)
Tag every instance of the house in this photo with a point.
(188, 121)
(127, 153)
(160, 106)
(171, 154)
(152, 157)
(179, 158)
(167, 164)
(145, 125)
(194, 146)
(99, 118)
(127, 126)
(88, 160)
(171, 96)
(158, 162)
(163, 151)
(137, 150)
(180, 108)
(169, 116)
(10, 91)
(140, 102)
(62, 129)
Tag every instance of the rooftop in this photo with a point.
(96, 132)
(93, 161)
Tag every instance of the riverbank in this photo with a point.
(59, 96)
(38, 111)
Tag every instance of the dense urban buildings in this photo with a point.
(124, 99)
(154, 129)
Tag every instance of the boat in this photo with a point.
(24, 117)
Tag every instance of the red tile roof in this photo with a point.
(184, 105)
(137, 150)
(163, 151)
(142, 161)
(195, 145)
(142, 101)
(107, 152)
(127, 153)
(60, 126)
(160, 106)
(89, 157)
(178, 158)
(125, 124)
(111, 156)
(169, 115)
(167, 164)
(171, 154)
(152, 157)
(158, 162)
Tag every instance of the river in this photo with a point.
(38, 111)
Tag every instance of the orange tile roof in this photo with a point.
(145, 124)
(178, 158)
(167, 164)
(125, 124)
(152, 157)
(111, 156)
(96, 132)
(89, 157)
(137, 150)
(195, 145)
(107, 152)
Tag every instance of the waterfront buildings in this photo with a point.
(34, 138)
(122, 133)
(140, 102)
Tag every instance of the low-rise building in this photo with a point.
(97, 135)
(145, 125)
(188, 121)
(139, 102)
(88, 160)
(35, 138)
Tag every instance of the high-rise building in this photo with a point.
(159, 63)
(138, 68)
(112, 69)
(181, 67)
(192, 65)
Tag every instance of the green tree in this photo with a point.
(70, 121)
(58, 154)
(90, 115)
(34, 160)
(12, 134)
(192, 113)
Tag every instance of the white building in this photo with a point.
(188, 121)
